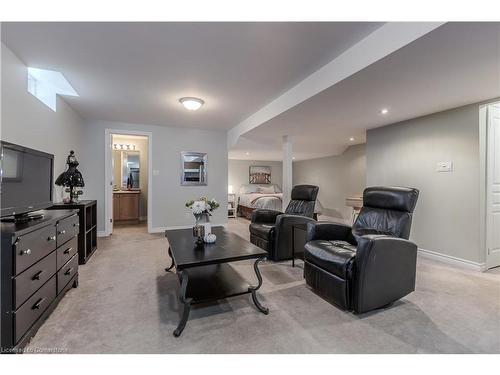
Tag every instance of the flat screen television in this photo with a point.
(25, 180)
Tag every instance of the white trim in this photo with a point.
(454, 261)
(483, 111)
(173, 227)
(102, 233)
(107, 176)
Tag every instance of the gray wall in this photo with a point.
(406, 153)
(29, 122)
(168, 196)
(338, 177)
(238, 172)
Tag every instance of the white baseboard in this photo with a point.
(173, 227)
(458, 262)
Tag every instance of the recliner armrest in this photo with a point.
(289, 220)
(325, 230)
(265, 216)
(283, 234)
(385, 269)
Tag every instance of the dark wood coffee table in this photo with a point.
(204, 272)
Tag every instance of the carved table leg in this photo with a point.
(171, 260)
(254, 289)
(185, 301)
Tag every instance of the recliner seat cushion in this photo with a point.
(330, 257)
(261, 230)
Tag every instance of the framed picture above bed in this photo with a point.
(260, 175)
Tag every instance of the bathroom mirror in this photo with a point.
(193, 168)
(126, 165)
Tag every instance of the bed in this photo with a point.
(252, 197)
(269, 197)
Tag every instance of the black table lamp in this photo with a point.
(71, 178)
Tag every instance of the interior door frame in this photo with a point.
(483, 183)
(108, 176)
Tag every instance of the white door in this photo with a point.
(493, 187)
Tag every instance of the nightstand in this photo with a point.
(231, 205)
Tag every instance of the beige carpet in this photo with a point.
(127, 303)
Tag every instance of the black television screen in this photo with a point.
(26, 179)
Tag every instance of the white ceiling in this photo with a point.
(454, 65)
(136, 72)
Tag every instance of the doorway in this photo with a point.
(128, 179)
(492, 186)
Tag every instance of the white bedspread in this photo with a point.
(257, 200)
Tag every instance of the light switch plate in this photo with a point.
(444, 166)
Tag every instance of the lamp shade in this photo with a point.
(72, 176)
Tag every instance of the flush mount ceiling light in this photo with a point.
(384, 111)
(191, 104)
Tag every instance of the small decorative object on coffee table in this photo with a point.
(201, 209)
(71, 179)
(210, 238)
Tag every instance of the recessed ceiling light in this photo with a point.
(247, 153)
(293, 158)
(351, 139)
(384, 111)
(191, 104)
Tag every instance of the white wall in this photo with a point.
(446, 218)
(338, 177)
(238, 172)
(29, 122)
(141, 144)
(168, 196)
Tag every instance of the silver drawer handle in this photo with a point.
(76, 225)
(26, 252)
(51, 238)
(67, 251)
(62, 232)
(68, 272)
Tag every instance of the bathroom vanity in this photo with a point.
(126, 206)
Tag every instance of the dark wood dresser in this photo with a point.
(39, 264)
(87, 238)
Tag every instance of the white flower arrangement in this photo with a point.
(202, 206)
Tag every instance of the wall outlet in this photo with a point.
(444, 166)
(156, 172)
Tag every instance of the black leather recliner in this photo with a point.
(272, 230)
(371, 264)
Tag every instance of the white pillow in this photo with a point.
(277, 188)
(266, 189)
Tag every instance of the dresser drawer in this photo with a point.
(67, 229)
(30, 248)
(66, 273)
(33, 278)
(31, 310)
(66, 251)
